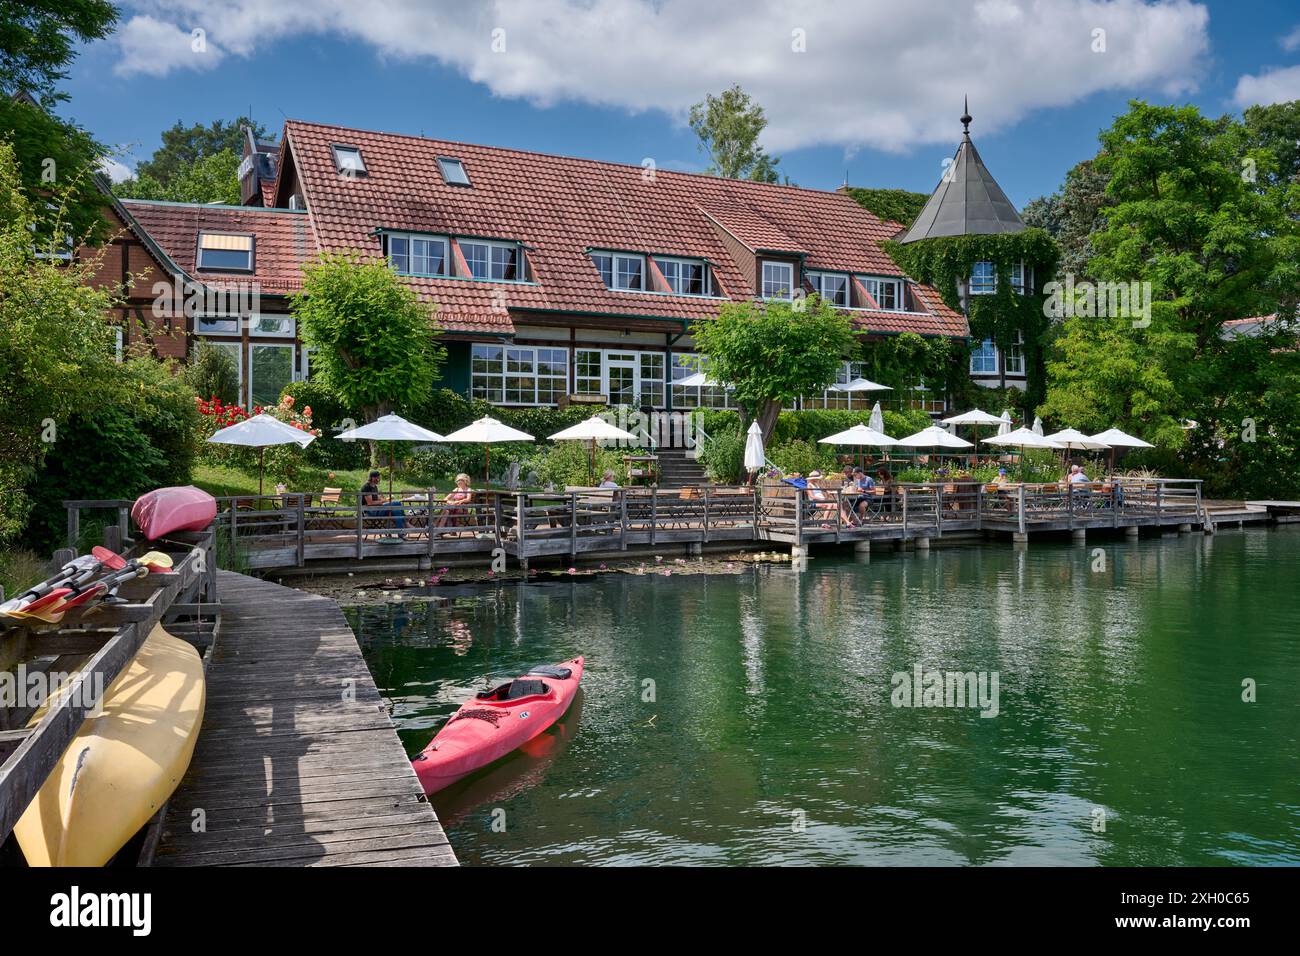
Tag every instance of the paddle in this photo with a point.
(51, 607)
(38, 590)
(69, 598)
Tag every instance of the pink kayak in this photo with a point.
(165, 511)
(491, 724)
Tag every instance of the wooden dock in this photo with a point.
(298, 763)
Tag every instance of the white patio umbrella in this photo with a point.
(858, 436)
(391, 428)
(860, 385)
(877, 420)
(1072, 439)
(975, 416)
(487, 431)
(1006, 422)
(593, 429)
(1022, 438)
(699, 379)
(1118, 439)
(933, 437)
(262, 432)
(755, 456)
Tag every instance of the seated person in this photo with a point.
(372, 499)
(607, 480)
(1077, 475)
(460, 496)
(820, 504)
(1002, 478)
(861, 483)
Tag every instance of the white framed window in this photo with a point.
(270, 369)
(236, 352)
(217, 324)
(587, 368)
(686, 364)
(833, 287)
(887, 292)
(283, 326)
(651, 384)
(1016, 355)
(348, 161)
(684, 276)
(518, 375)
(1018, 278)
(225, 251)
(832, 398)
(498, 261)
(984, 358)
(778, 280)
(415, 255)
(983, 279)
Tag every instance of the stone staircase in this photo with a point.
(677, 469)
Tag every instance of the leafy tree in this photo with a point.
(1215, 244)
(893, 205)
(1072, 215)
(184, 146)
(772, 353)
(729, 126)
(1276, 128)
(375, 340)
(208, 179)
(38, 40)
(56, 345)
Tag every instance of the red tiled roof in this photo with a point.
(283, 240)
(951, 322)
(560, 207)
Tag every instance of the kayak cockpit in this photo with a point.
(514, 690)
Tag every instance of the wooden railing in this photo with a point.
(288, 530)
(93, 646)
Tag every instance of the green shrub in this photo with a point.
(802, 456)
(569, 463)
(723, 457)
(212, 373)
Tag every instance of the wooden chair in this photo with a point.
(330, 496)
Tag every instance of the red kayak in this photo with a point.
(491, 724)
(165, 511)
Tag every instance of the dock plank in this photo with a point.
(298, 762)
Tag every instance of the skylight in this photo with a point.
(225, 252)
(453, 171)
(348, 161)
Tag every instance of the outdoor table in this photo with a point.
(647, 474)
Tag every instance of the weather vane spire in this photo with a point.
(965, 117)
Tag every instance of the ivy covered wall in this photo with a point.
(945, 263)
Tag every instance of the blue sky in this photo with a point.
(873, 94)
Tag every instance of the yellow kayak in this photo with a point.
(123, 764)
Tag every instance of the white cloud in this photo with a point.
(155, 48)
(1278, 85)
(875, 73)
(1291, 42)
(116, 170)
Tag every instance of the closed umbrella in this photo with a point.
(1005, 425)
(262, 432)
(755, 456)
(877, 420)
(594, 429)
(391, 428)
(487, 431)
(1038, 426)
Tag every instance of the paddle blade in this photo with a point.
(109, 559)
(156, 561)
(44, 601)
(81, 598)
(47, 608)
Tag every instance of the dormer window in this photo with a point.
(778, 280)
(416, 255)
(491, 260)
(888, 293)
(684, 276)
(225, 252)
(833, 287)
(348, 161)
(453, 171)
(983, 279)
(623, 273)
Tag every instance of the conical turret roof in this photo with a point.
(967, 202)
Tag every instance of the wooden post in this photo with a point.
(1069, 506)
(1114, 502)
(1160, 499)
(706, 513)
(938, 511)
(622, 519)
(902, 497)
(74, 525)
(113, 538)
(654, 513)
(234, 539)
(979, 506)
(754, 528)
(798, 517)
(521, 523)
(839, 513)
(1021, 508)
(124, 522)
(573, 524)
(302, 530)
(428, 525)
(361, 524)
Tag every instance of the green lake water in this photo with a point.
(1121, 736)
